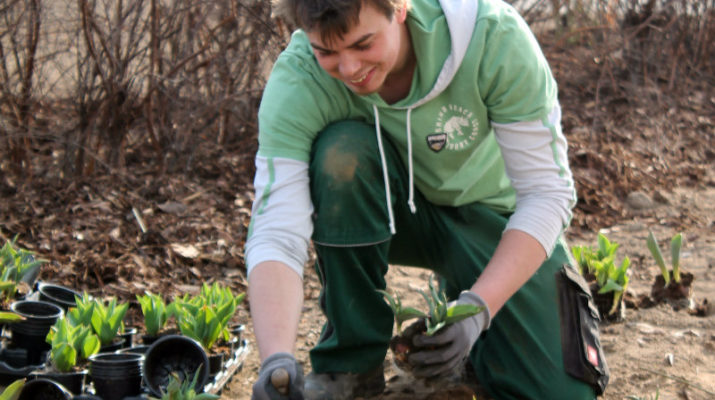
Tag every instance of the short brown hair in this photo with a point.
(333, 18)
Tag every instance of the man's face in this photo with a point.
(368, 53)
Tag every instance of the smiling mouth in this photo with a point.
(360, 79)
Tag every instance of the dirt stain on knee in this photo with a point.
(340, 165)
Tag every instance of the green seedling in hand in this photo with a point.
(401, 313)
(440, 313)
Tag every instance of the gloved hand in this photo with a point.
(447, 350)
(264, 389)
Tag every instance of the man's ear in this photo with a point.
(401, 14)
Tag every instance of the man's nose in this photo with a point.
(349, 66)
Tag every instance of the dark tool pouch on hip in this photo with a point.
(580, 343)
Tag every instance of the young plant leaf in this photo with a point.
(13, 391)
(64, 357)
(616, 302)
(155, 312)
(8, 317)
(432, 328)
(610, 286)
(605, 247)
(658, 256)
(401, 313)
(675, 245)
(459, 312)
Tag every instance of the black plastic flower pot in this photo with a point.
(57, 294)
(117, 343)
(116, 375)
(236, 334)
(44, 389)
(72, 380)
(30, 333)
(215, 363)
(174, 354)
(128, 336)
(15, 357)
(237, 330)
(10, 373)
(149, 340)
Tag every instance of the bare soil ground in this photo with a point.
(642, 158)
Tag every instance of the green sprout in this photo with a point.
(107, 319)
(81, 314)
(613, 279)
(676, 244)
(586, 257)
(600, 263)
(154, 311)
(70, 344)
(186, 390)
(440, 313)
(206, 317)
(401, 313)
(16, 265)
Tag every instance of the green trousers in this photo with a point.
(518, 357)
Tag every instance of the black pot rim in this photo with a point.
(53, 372)
(115, 358)
(138, 349)
(29, 385)
(115, 365)
(57, 294)
(53, 311)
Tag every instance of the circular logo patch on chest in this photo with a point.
(458, 126)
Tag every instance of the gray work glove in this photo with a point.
(447, 350)
(264, 389)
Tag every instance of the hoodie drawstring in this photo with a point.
(411, 196)
(385, 175)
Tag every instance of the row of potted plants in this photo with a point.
(57, 335)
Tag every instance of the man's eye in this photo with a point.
(324, 53)
(363, 46)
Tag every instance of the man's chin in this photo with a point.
(361, 91)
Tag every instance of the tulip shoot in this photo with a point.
(676, 244)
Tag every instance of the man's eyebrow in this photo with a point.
(355, 43)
